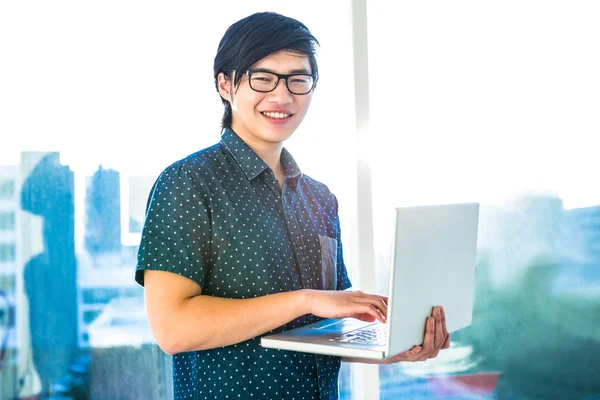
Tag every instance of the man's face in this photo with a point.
(269, 117)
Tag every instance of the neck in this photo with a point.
(269, 152)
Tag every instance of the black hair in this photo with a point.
(254, 38)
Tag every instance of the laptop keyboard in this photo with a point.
(375, 334)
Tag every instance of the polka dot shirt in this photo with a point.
(220, 218)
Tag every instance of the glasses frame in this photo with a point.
(280, 77)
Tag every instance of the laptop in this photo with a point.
(432, 263)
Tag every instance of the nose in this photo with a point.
(281, 94)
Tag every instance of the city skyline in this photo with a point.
(104, 277)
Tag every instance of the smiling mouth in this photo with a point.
(276, 115)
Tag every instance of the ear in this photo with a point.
(225, 86)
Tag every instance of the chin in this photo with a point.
(277, 134)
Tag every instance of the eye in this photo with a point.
(263, 77)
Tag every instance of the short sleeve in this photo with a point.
(176, 236)
(343, 281)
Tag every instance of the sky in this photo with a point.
(470, 100)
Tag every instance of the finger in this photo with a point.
(384, 300)
(365, 317)
(377, 303)
(446, 342)
(381, 305)
(429, 339)
(413, 354)
(370, 310)
(444, 330)
(409, 355)
(415, 350)
(361, 294)
(439, 334)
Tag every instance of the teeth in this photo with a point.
(276, 115)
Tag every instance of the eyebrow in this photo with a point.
(292, 72)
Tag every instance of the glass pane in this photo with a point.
(93, 118)
(477, 111)
(7, 221)
(7, 188)
(7, 252)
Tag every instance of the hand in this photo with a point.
(342, 304)
(436, 338)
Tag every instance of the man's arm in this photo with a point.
(182, 319)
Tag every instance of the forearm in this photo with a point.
(205, 322)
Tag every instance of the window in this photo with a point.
(7, 252)
(7, 188)
(469, 101)
(7, 221)
(149, 100)
(477, 111)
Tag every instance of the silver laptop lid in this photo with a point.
(433, 263)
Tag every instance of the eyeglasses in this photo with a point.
(264, 82)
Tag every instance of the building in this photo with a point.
(125, 360)
(587, 222)
(103, 212)
(9, 266)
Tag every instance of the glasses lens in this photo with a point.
(263, 81)
(300, 84)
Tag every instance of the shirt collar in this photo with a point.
(251, 164)
(290, 168)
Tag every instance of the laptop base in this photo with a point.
(315, 338)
